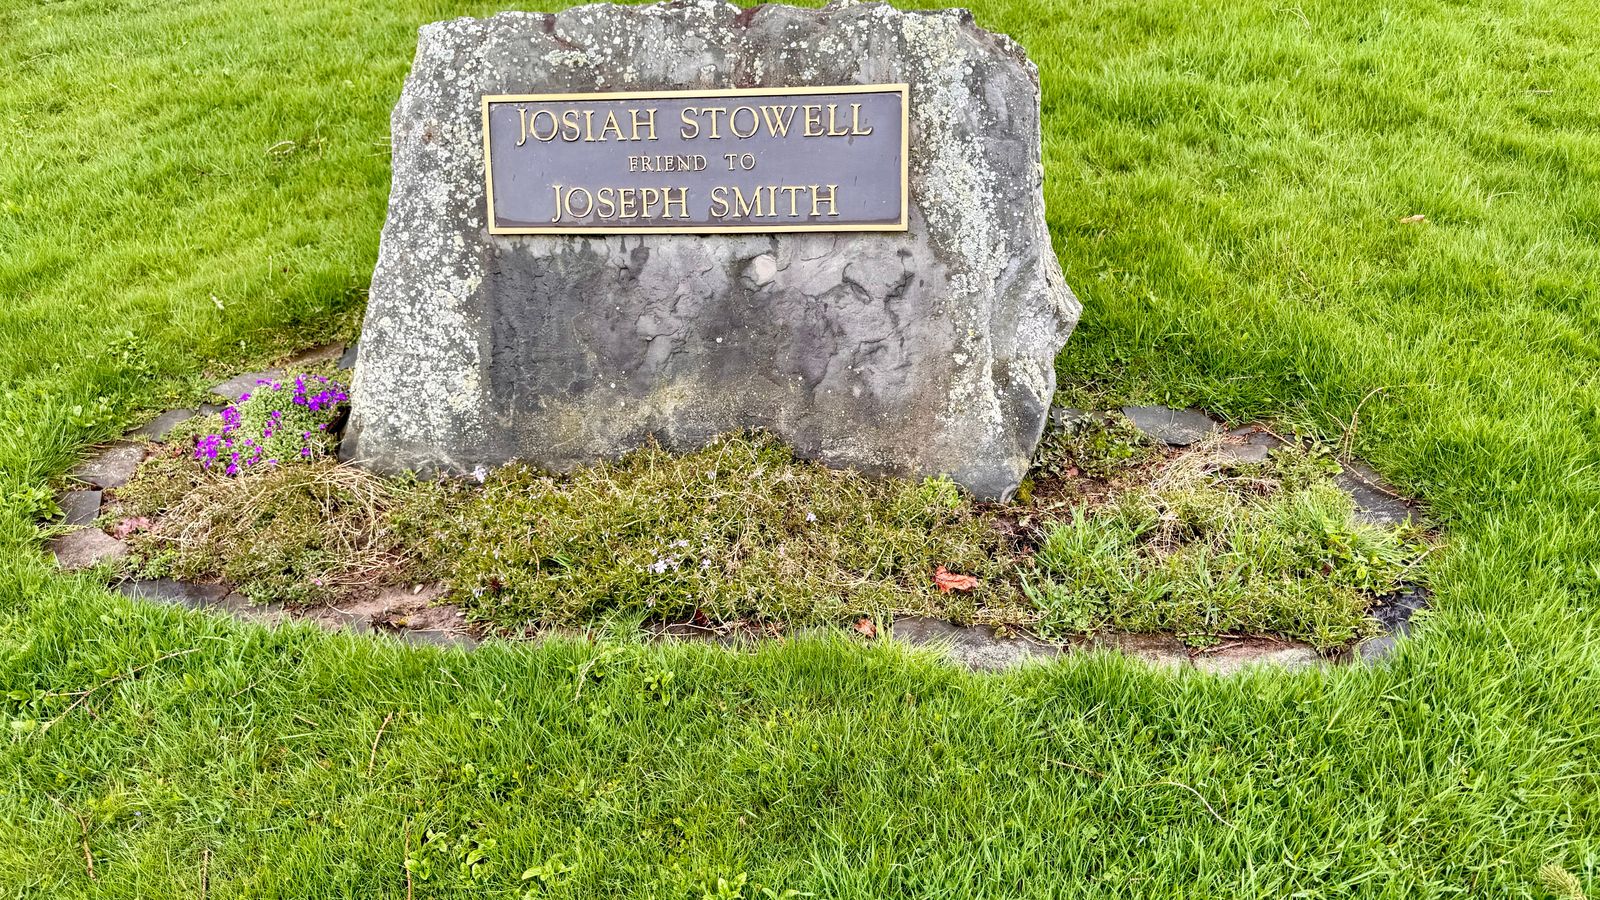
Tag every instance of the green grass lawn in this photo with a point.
(194, 186)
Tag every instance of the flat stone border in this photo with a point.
(985, 648)
(1173, 427)
(979, 648)
(158, 428)
(412, 614)
(239, 385)
(85, 548)
(111, 467)
(80, 507)
(446, 624)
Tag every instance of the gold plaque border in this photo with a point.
(905, 163)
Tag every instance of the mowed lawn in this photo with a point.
(193, 187)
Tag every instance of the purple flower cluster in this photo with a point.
(332, 393)
(261, 427)
(207, 448)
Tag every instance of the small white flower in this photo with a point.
(811, 517)
(480, 473)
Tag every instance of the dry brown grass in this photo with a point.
(302, 533)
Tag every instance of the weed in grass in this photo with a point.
(545, 876)
(1204, 553)
(32, 502)
(462, 857)
(1098, 448)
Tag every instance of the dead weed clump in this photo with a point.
(302, 533)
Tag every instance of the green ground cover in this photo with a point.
(742, 535)
(1264, 548)
(197, 186)
(739, 531)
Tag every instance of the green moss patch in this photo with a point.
(1115, 534)
(738, 530)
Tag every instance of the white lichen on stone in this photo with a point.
(574, 58)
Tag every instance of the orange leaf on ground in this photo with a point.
(949, 581)
(866, 627)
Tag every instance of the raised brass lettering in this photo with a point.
(800, 159)
(817, 199)
(813, 121)
(833, 124)
(855, 122)
(778, 119)
(733, 122)
(649, 121)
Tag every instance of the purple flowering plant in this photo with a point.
(281, 421)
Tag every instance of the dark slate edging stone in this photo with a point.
(977, 647)
(1072, 421)
(239, 607)
(85, 548)
(434, 637)
(223, 600)
(174, 592)
(80, 507)
(1250, 444)
(679, 631)
(111, 468)
(1376, 502)
(1173, 427)
(157, 429)
(1395, 613)
(1287, 656)
(235, 387)
(1374, 650)
(239, 385)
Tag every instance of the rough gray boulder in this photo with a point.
(922, 352)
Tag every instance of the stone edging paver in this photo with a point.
(412, 615)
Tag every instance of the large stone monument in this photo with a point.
(689, 218)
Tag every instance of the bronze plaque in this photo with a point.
(663, 162)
